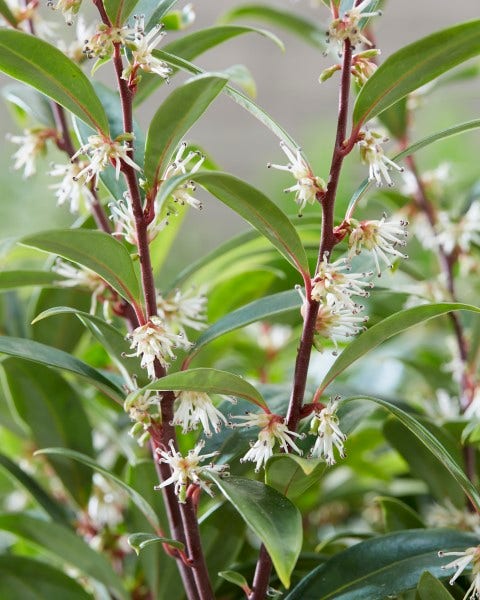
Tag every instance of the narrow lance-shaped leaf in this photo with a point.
(134, 496)
(46, 355)
(119, 10)
(275, 520)
(65, 545)
(139, 541)
(47, 69)
(183, 107)
(95, 250)
(414, 66)
(304, 28)
(29, 101)
(426, 141)
(7, 14)
(24, 278)
(253, 206)
(211, 381)
(387, 328)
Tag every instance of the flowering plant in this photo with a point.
(206, 431)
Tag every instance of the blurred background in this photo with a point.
(288, 89)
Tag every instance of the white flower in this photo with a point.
(71, 189)
(179, 167)
(187, 469)
(335, 282)
(153, 341)
(271, 338)
(74, 49)
(470, 557)
(26, 13)
(194, 408)
(102, 43)
(273, 428)
(82, 277)
(325, 425)
(448, 515)
(433, 181)
(142, 47)
(32, 143)
(144, 410)
(371, 153)
(473, 409)
(103, 151)
(308, 185)
(348, 26)
(378, 237)
(124, 220)
(182, 310)
(106, 504)
(451, 235)
(69, 8)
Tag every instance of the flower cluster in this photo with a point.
(124, 220)
(180, 310)
(68, 8)
(308, 185)
(187, 469)
(195, 408)
(179, 166)
(72, 189)
(348, 26)
(32, 144)
(102, 43)
(467, 558)
(144, 410)
(325, 425)
(372, 154)
(272, 429)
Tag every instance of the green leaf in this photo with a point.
(381, 567)
(305, 28)
(423, 464)
(386, 329)
(429, 587)
(45, 355)
(154, 10)
(7, 14)
(14, 279)
(272, 517)
(241, 76)
(29, 579)
(53, 412)
(112, 340)
(293, 475)
(414, 66)
(276, 304)
(235, 578)
(95, 250)
(134, 496)
(53, 508)
(395, 118)
(64, 544)
(119, 10)
(253, 206)
(207, 380)
(138, 541)
(47, 69)
(183, 107)
(397, 515)
(192, 45)
(430, 139)
(433, 445)
(30, 102)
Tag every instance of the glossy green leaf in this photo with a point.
(29, 579)
(293, 475)
(395, 118)
(304, 28)
(14, 279)
(386, 329)
(207, 380)
(46, 355)
(430, 588)
(139, 541)
(53, 508)
(47, 69)
(30, 102)
(397, 515)
(426, 141)
(432, 443)
(182, 108)
(7, 14)
(253, 206)
(192, 45)
(270, 306)
(235, 578)
(272, 517)
(94, 250)
(52, 410)
(111, 338)
(134, 496)
(119, 10)
(241, 76)
(65, 545)
(414, 66)
(381, 567)
(154, 10)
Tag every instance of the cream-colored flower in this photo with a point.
(325, 425)
(195, 408)
(372, 154)
(467, 558)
